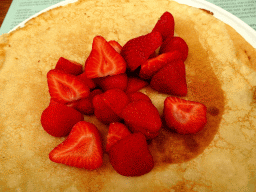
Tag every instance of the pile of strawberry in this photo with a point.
(108, 87)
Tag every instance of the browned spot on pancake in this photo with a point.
(213, 111)
(207, 11)
(254, 94)
(204, 87)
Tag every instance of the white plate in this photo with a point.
(248, 33)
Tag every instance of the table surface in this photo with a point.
(4, 6)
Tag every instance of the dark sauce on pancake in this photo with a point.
(203, 86)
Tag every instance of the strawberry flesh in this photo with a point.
(149, 68)
(116, 132)
(103, 60)
(64, 87)
(175, 44)
(116, 46)
(68, 66)
(184, 116)
(82, 148)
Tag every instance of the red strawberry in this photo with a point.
(165, 25)
(89, 82)
(85, 105)
(116, 99)
(175, 44)
(103, 112)
(103, 60)
(116, 132)
(135, 84)
(142, 116)
(186, 117)
(112, 82)
(115, 45)
(136, 51)
(58, 119)
(131, 156)
(94, 93)
(68, 66)
(82, 148)
(64, 87)
(171, 79)
(136, 96)
(149, 68)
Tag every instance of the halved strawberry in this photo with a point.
(171, 79)
(175, 44)
(135, 84)
(151, 66)
(186, 117)
(89, 82)
(58, 119)
(116, 99)
(82, 148)
(68, 66)
(116, 46)
(136, 51)
(103, 112)
(64, 87)
(112, 82)
(85, 105)
(103, 60)
(131, 156)
(142, 116)
(165, 25)
(116, 132)
(136, 96)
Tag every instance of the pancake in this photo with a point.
(221, 73)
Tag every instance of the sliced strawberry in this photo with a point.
(186, 117)
(151, 66)
(116, 132)
(136, 96)
(136, 51)
(142, 116)
(116, 99)
(131, 156)
(171, 79)
(64, 87)
(116, 46)
(103, 60)
(68, 66)
(84, 106)
(112, 82)
(165, 25)
(135, 84)
(58, 119)
(103, 112)
(175, 44)
(82, 148)
(89, 82)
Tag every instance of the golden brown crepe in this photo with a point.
(220, 71)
